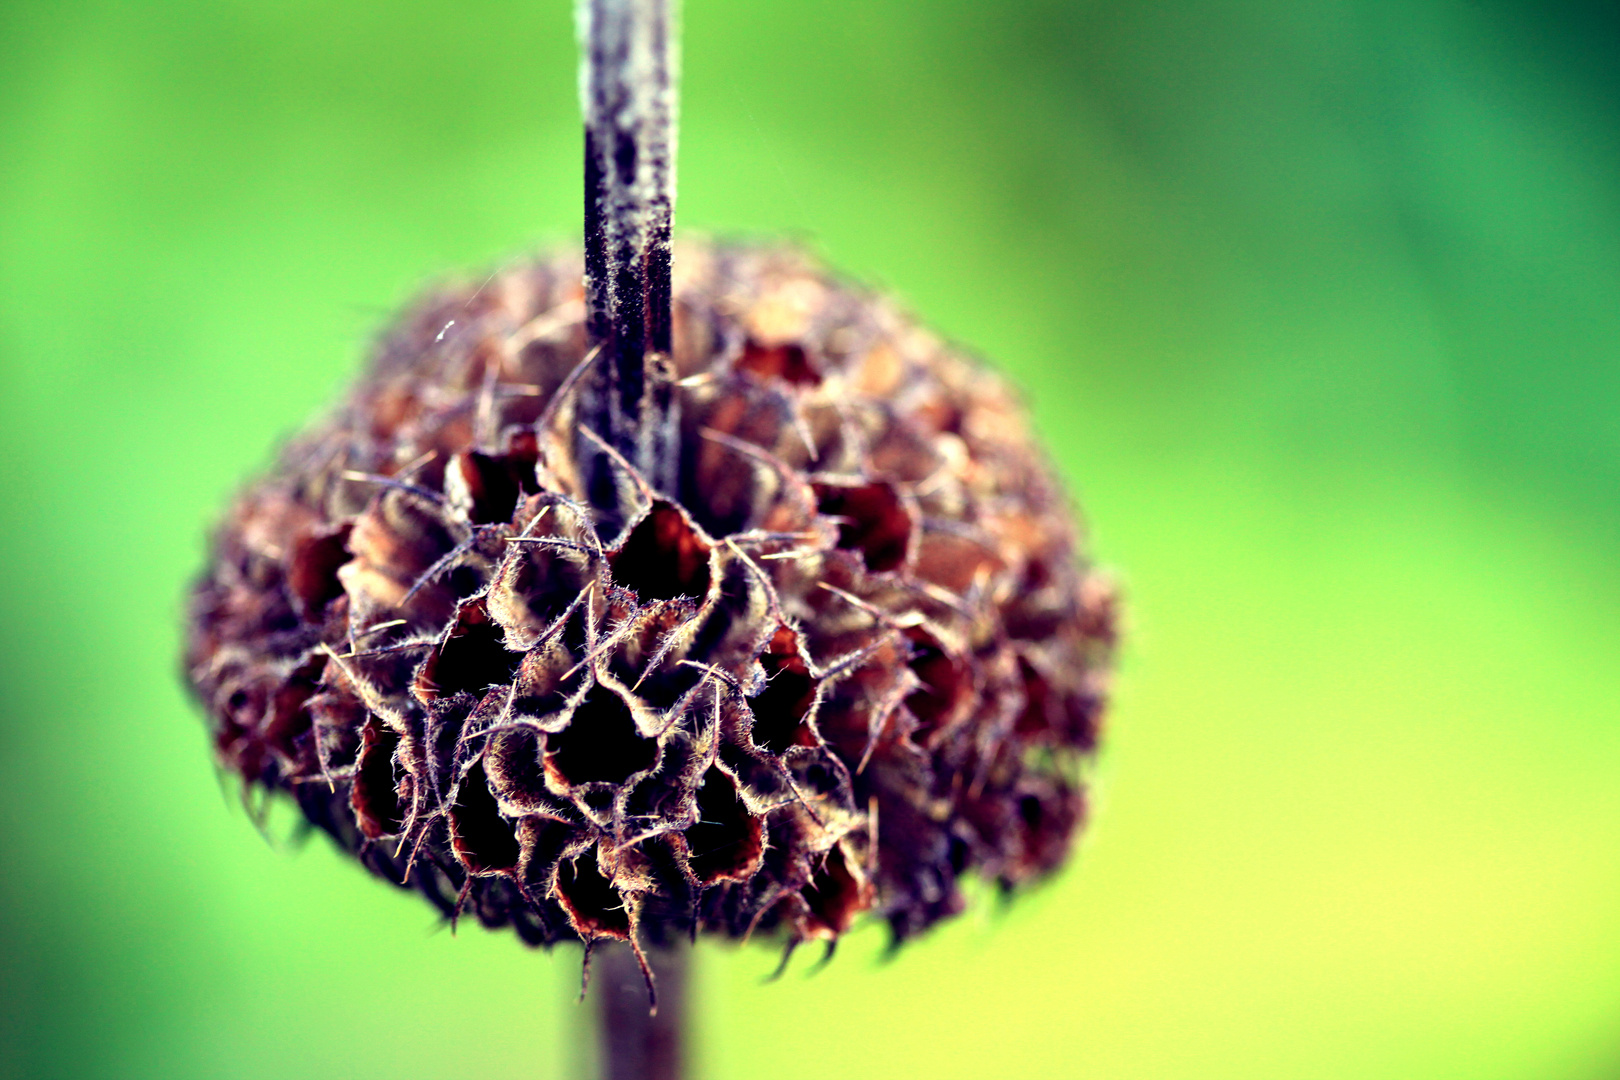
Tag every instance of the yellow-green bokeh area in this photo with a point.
(1315, 302)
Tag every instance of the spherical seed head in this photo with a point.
(841, 652)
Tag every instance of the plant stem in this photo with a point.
(628, 96)
(635, 1043)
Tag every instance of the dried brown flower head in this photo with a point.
(840, 651)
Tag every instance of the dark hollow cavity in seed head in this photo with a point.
(664, 557)
(785, 362)
(871, 521)
(790, 691)
(482, 839)
(727, 841)
(600, 743)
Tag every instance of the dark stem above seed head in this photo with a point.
(628, 96)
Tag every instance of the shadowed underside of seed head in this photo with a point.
(840, 652)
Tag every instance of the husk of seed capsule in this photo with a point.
(849, 655)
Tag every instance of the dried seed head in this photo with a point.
(839, 653)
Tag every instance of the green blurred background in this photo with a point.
(1317, 303)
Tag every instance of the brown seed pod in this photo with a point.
(840, 651)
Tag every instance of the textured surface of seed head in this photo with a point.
(842, 652)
